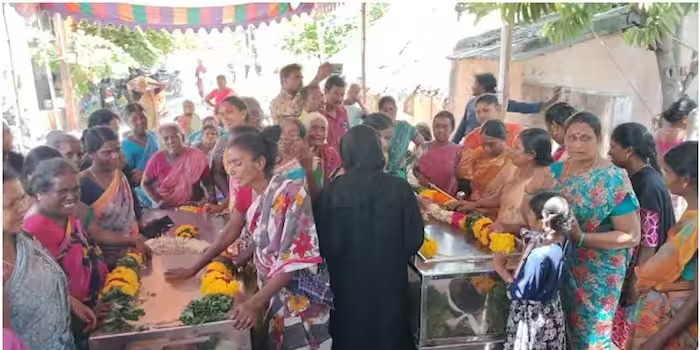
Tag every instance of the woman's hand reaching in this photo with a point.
(461, 206)
(84, 313)
(244, 316)
(179, 274)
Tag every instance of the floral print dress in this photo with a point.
(593, 277)
(284, 234)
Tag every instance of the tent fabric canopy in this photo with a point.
(171, 18)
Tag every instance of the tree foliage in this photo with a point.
(147, 47)
(570, 20)
(96, 52)
(654, 26)
(91, 58)
(303, 38)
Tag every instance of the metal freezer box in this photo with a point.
(457, 299)
(163, 304)
(215, 335)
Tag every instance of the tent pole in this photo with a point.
(364, 53)
(504, 65)
(71, 117)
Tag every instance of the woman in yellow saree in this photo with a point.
(666, 312)
(486, 171)
(105, 189)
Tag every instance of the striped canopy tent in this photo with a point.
(171, 18)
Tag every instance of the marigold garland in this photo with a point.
(481, 230)
(186, 231)
(429, 248)
(475, 224)
(120, 290)
(219, 279)
(125, 277)
(502, 242)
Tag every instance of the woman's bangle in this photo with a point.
(580, 240)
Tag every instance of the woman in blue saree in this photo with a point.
(607, 212)
(140, 144)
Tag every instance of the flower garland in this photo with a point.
(435, 196)
(479, 227)
(218, 289)
(186, 231)
(502, 242)
(125, 277)
(218, 279)
(120, 290)
(429, 248)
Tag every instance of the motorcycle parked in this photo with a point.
(172, 79)
(112, 94)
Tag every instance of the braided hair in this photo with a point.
(639, 139)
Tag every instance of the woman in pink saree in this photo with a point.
(179, 174)
(53, 222)
(438, 158)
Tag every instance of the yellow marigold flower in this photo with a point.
(429, 248)
(298, 303)
(137, 256)
(218, 266)
(502, 242)
(121, 270)
(215, 276)
(186, 231)
(230, 288)
(126, 288)
(480, 225)
(130, 279)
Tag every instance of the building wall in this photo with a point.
(587, 66)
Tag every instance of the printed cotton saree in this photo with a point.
(665, 282)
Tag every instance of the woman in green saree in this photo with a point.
(396, 137)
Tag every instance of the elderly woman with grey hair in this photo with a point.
(68, 145)
(178, 174)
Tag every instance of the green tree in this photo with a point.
(91, 58)
(656, 26)
(303, 38)
(147, 47)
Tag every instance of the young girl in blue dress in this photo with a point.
(536, 317)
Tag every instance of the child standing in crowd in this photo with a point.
(536, 317)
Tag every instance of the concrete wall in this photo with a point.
(588, 66)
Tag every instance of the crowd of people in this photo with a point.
(321, 206)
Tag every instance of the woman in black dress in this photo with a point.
(369, 226)
(632, 148)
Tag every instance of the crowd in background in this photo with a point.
(321, 206)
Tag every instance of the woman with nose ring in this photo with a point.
(178, 174)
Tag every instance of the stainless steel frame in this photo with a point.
(457, 258)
